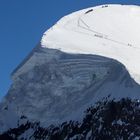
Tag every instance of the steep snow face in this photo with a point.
(107, 30)
(53, 87)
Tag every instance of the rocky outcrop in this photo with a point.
(107, 120)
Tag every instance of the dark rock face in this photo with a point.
(106, 120)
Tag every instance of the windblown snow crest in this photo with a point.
(85, 57)
(108, 30)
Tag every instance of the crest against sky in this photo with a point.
(23, 22)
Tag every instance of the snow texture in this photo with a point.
(107, 30)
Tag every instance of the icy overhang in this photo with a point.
(107, 30)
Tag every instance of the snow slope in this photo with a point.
(108, 30)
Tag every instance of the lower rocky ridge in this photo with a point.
(106, 120)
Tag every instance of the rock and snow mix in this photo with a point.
(107, 120)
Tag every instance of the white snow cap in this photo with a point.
(108, 30)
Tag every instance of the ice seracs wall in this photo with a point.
(108, 30)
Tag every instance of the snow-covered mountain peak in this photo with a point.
(107, 30)
(71, 70)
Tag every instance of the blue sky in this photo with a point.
(22, 23)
